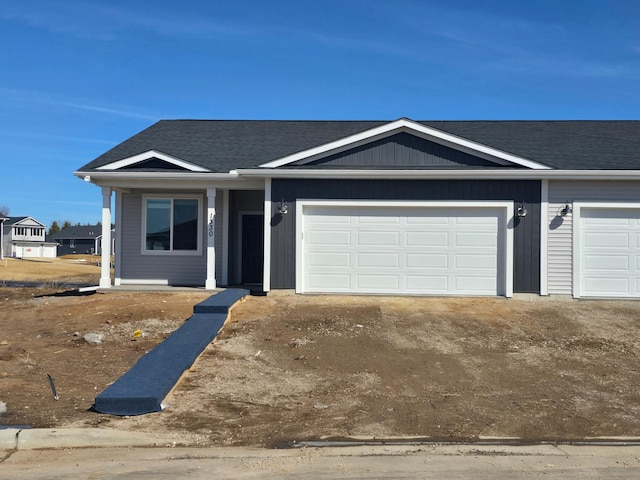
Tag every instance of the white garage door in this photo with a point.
(399, 250)
(609, 252)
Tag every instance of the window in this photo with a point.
(172, 225)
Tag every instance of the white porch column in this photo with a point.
(105, 265)
(210, 283)
(266, 280)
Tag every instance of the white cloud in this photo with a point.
(40, 99)
(106, 22)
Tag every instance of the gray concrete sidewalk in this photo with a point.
(388, 462)
(41, 438)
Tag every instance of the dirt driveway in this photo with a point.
(291, 368)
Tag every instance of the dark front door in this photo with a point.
(252, 248)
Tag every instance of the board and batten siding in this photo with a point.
(401, 150)
(560, 234)
(175, 269)
(526, 246)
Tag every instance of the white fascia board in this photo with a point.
(498, 174)
(141, 157)
(405, 125)
(133, 179)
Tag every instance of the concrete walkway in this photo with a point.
(382, 462)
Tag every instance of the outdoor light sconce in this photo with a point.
(566, 209)
(521, 211)
(281, 208)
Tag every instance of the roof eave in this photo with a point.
(497, 174)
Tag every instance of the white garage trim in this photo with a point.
(504, 215)
(579, 248)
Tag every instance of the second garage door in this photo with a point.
(609, 252)
(403, 250)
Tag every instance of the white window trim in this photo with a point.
(577, 220)
(507, 206)
(143, 230)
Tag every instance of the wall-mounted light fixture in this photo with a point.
(281, 208)
(521, 211)
(566, 209)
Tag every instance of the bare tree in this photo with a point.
(4, 211)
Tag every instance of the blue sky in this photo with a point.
(78, 77)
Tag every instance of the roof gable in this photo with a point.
(401, 151)
(78, 231)
(23, 222)
(152, 160)
(407, 126)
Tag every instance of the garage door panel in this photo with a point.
(477, 219)
(605, 286)
(331, 259)
(606, 262)
(477, 261)
(377, 220)
(427, 260)
(427, 239)
(381, 260)
(329, 282)
(438, 284)
(378, 238)
(475, 239)
(474, 284)
(377, 282)
(607, 240)
(329, 237)
(416, 218)
(403, 250)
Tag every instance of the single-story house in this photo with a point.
(378, 207)
(24, 237)
(80, 239)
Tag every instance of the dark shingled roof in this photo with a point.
(78, 231)
(224, 145)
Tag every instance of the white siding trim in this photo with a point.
(508, 219)
(266, 276)
(544, 229)
(105, 266)
(118, 233)
(210, 255)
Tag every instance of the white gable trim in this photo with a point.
(29, 222)
(141, 157)
(409, 126)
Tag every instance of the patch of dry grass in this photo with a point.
(74, 268)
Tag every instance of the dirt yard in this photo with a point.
(291, 368)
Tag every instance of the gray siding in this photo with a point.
(401, 150)
(560, 234)
(526, 230)
(175, 269)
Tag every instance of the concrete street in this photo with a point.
(378, 462)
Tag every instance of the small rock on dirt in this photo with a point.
(93, 337)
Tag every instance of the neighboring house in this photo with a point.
(378, 207)
(80, 239)
(2, 220)
(24, 237)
